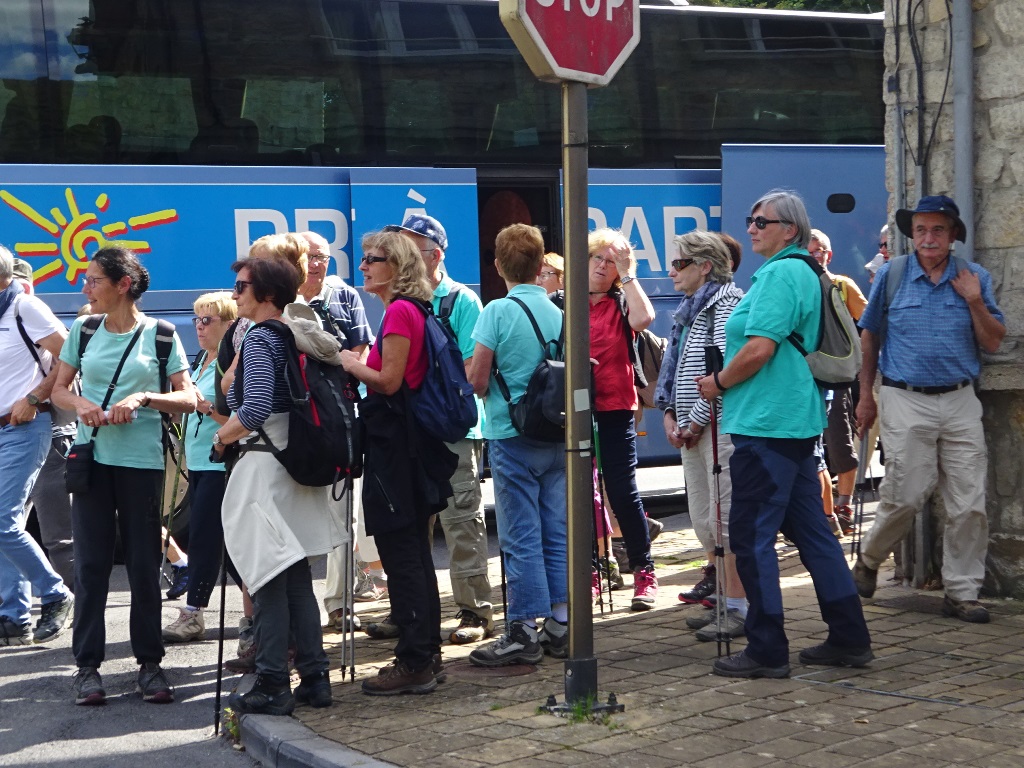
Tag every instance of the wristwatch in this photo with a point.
(216, 439)
(626, 279)
(32, 400)
(144, 402)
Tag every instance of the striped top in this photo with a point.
(264, 388)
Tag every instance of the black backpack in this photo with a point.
(323, 442)
(444, 405)
(540, 412)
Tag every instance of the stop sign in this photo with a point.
(581, 40)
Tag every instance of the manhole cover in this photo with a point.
(464, 669)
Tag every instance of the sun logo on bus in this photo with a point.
(76, 229)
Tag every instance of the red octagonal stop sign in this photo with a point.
(581, 40)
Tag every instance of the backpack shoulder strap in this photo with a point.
(795, 338)
(164, 345)
(87, 331)
(24, 333)
(897, 268)
(447, 304)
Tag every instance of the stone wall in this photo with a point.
(998, 227)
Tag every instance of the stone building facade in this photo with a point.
(998, 226)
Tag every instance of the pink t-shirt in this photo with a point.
(401, 318)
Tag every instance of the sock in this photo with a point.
(560, 612)
(182, 561)
(843, 500)
(378, 573)
(738, 604)
(531, 623)
(193, 609)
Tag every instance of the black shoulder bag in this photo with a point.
(78, 469)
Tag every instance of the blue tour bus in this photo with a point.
(187, 130)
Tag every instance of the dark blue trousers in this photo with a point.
(775, 487)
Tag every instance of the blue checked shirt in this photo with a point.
(930, 340)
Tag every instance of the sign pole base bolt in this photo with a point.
(586, 709)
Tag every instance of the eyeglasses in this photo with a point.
(548, 275)
(319, 259)
(91, 281)
(761, 222)
(600, 259)
(203, 321)
(241, 285)
(368, 259)
(818, 252)
(680, 264)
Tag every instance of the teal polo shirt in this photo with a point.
(781, 400)
(465, 311)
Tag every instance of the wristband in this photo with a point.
(718, 384)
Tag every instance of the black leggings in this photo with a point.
(205, 535)
(132, 498)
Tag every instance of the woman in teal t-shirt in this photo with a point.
(128, 466)
(214, 312)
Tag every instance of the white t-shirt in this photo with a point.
(19, 373)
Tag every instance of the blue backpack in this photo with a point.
(444, 405)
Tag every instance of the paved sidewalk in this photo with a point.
(940, 693)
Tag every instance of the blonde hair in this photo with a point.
(220, 302)
(556, 262)
(287, 247)
(605, 237)
(409, 272)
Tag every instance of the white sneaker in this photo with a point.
(188, 626)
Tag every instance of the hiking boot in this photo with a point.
(731, 627)
(654, 528)
(621, 555)
(645, 588)
(834, 526)
(554, 638)
(827, 655)
(519, 645)
(343, 621)
(437, 667)
(89, 687)
(179, 584)
(315, 690)
(245, 661)
(701, 620)
(864, 578)
(152, 684)
(12, 633)
(965, 610)
(397, 678)
(189, 625)
(246, 635)
(610, 573)
(266, 697)
(845, 515)
(741, 665)
(372, 590)
(471, 629)
(382, 630)
(54, 619)
(703, 588)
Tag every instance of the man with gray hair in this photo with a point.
(31, 338)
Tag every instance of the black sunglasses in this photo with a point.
(368, 259)
(241, 285)
(761, 222)
(680, 264)
(203, 321)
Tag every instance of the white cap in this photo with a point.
(874, 265)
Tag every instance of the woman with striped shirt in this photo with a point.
(702, 272)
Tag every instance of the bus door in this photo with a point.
(506, 201)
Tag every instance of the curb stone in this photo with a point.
(282, 742)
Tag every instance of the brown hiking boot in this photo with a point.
(397, 678)
(865, 579)
(965, 610)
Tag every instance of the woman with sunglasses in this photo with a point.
(128, 465)
(619, 310)
(406, 472)
(703, 273)
(214, 312)
(774, 412)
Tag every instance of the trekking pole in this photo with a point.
(220, 636)
(858, 500)
(712, 364)
(504, 587)
(348, 640)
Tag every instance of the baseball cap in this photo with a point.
(424, 226)
(23, 271)
(874, 265)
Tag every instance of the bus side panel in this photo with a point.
(817, 173)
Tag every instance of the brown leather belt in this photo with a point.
(887, 382)
(6, 418)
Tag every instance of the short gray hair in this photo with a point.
(706, 247)
(6, 264)
(789, 207)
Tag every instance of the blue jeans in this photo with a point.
(529, 496)
(776, 487)
(24, 569)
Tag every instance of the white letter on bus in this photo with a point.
(305, 216)
(612, 5)
(245, 217)
(672, 213)
(597, 216)
(634, 217)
